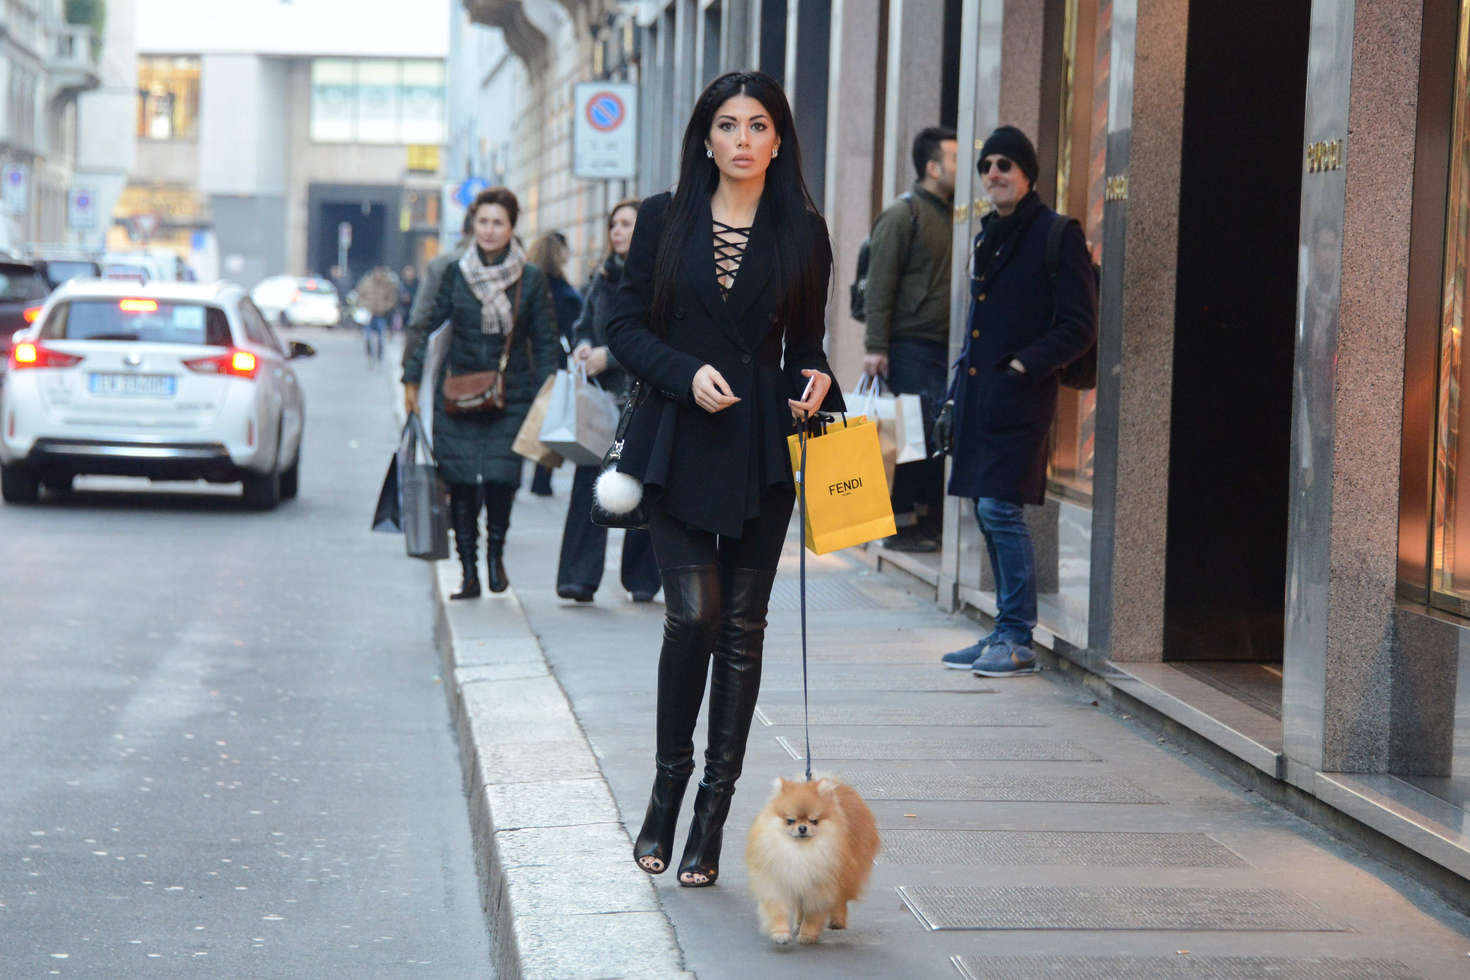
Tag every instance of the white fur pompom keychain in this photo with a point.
(617, 493)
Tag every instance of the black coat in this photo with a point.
(1003, 419)
(477, 448)
(714, 469)
(591, 326)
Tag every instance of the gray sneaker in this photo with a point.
(965, 659)
(1004, 659)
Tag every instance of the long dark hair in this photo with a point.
(785, 194)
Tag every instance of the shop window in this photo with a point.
(1081, 175)
(377, 101)
(168, 98)
(1450, 555)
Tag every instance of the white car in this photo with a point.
(172, 381)
(293, 301)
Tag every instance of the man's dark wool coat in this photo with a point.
(476, 448)
(1002, 418)
(714, 469)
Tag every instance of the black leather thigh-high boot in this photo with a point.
(692, 601)
(735, 683)
(498, 500)
(464, 513)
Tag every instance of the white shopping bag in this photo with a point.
(908, 429)
(581, 419)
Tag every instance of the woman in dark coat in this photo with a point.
(584, 544)
(488, 289)
(549, 253)
(721, 311)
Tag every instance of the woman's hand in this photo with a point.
(821, 382)
(595, 360)
(710, 391)
(410, 399)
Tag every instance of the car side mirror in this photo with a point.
(298, 349)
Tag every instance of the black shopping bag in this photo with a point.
(388, 516)
(425, 511)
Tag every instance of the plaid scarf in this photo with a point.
(489, 284)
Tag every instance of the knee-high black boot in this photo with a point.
(464, 511)
(498, 500)
(735, 683)
(692, 600)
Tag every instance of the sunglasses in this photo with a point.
(1003, 165)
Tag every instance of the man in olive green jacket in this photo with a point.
(907, 298)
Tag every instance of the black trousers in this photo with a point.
(758, 548)
(584, 545)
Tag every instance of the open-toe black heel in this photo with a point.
(700, 867)
(656, 840)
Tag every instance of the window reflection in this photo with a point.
(1450, 582)
(377, 101)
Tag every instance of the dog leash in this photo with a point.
(806, 711)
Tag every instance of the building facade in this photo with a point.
(287, 135)
(1252, 524)
(46, 63)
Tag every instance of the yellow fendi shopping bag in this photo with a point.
(846, 489)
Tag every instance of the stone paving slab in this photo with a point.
(1172, 909)
(1179, 967)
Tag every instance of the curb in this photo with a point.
(561, 895)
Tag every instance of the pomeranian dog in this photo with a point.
(809, 854)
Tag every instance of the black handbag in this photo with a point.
(634, 517)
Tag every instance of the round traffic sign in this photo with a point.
(606, 112)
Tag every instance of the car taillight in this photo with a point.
(33, 355)
(235, 364)
(30, 313)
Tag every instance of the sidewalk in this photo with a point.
(1028, 831)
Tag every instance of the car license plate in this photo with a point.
(153, 385)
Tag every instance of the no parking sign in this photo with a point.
(605, 131)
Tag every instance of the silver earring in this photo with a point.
(774, 152)
(709, 153)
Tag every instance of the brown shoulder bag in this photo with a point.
(483, 392)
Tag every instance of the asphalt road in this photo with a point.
(226, 750)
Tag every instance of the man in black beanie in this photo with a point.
(1029, 318)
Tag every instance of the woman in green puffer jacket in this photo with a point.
(489, 289)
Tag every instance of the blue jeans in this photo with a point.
(375, 328)
(1008, 540)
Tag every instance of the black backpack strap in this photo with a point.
(1054, 235)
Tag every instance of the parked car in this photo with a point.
(23, 290)
(58, 269)
(172, 381)
(298, 301)
(140, 267)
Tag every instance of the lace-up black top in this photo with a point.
(730, 245)
(714, 470)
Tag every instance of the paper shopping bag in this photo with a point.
(908, 430)
(846, 491)
(580, 419)
(868, 400)
(388, 515)
(528, 440)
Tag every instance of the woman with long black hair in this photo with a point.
(721, 311)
